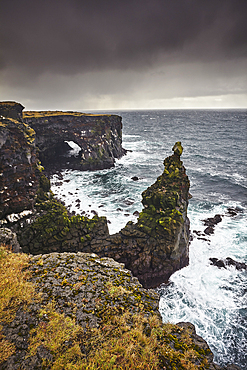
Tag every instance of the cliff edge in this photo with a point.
(98, 139)
(153, 248)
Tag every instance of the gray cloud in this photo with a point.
(71, 36)
(71, 47)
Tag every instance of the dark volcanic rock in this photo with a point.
(228, 262)
(83, 287)
(157, 245)
(19, 168)
(10, 109)
(9, 239)
(209, 230)
(233, 211)
(210, 223)
(99, 138)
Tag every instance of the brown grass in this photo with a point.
(38, 114)
(122, 340)
(15, 291)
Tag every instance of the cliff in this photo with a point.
(158, 244)
(81, 311)
(153, 248)
(99, 139)
(91, 312)
(19, 166)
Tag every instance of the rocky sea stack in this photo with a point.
(73, 298)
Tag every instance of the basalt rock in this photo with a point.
(99, 138)
(9, 239)
(19, 168)
(228, 262)
(210, 223)
(157, 245)
(83, 286)
(153, 248)
(86, 288)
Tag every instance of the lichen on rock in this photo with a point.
(90, 313)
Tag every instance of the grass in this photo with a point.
(121, 341)
(38, 114)
(15, 291)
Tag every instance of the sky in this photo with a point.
(123, 54)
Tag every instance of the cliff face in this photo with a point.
(19, 175)
(99, 138)
(153, 248)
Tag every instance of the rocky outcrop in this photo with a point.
(83, 286)
(210, 223)
(19, 173)
(153, 248)
(9, 239)
(51, 229)
(158, 244)
(96, 292)
(99, 139)
(227, 263)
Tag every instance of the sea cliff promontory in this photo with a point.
(153, 248)
(98, 138)
(73, 298)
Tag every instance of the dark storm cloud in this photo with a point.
(76, 36)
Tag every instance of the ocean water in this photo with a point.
(214, 142)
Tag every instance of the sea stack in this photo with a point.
(158, 244)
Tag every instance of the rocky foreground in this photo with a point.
(92, 285)
(85, 301)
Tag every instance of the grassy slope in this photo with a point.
(122, 340)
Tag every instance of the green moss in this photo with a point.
(44, 183)
(162, 211)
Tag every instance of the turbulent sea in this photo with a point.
(214, 141)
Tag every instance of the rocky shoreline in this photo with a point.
(74, 262)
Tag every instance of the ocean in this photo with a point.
(214, 141)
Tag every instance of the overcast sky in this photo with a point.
(123, 54)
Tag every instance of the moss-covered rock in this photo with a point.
(52, 229)
(158, 244)
(89, 313)
(19, 174)
(98, 136)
